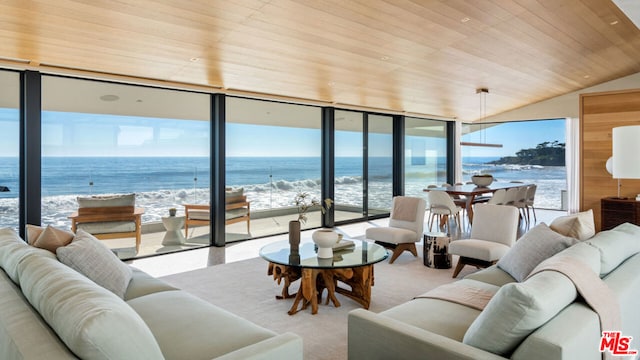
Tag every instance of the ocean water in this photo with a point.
(269, 183)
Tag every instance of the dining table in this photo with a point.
(472, 191)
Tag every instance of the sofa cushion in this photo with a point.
(23, 333)
(234, 213)
(143, 284)
(616, 245)
(90, 257)
(52, 238)
(199, 215)
(492, 275)
(582, 251)
(478, 249)
(190, 315)
(90, 320)
(532, 248)
(517, 310)
(107, 201)
(580, 225)
(234, 192)
(108, 227)
(446, 318)
(13, 249)
(392, 235)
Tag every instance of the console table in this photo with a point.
(615, 211)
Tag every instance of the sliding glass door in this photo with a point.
(273, 152)
(349, 164)
(363, 165)
(379, 164)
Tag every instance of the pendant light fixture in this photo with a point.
(483, 114)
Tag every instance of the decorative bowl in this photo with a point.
(325, 239)
(482, 180)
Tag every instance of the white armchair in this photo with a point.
(494, 230)
(405, 226)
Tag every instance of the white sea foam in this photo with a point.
(348, 191)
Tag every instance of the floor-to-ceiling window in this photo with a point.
(379, 164)
(9, 148)
(103, 138)
(273, 152)
(363, 183)
(349, 162)
(527, 151)
(425, 154)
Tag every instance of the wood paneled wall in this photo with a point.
(599, 114)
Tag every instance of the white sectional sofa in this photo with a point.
(541, 317)
(51, 311)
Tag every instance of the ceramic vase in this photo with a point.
(294, 235)
(325, 239)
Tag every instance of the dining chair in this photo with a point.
(510, 196)
(494, 231)
(498, 197)
(520, 202)
(441, 205)
(530, 198)
(431, 215)
(459, 200)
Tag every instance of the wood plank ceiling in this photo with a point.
(422, 57)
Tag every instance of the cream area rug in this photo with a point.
(245, 289)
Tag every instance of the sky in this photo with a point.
(514, 136)
(75, 134)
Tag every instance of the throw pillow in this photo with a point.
(14, 250)
(531, 249)
(580, 225)
(33, 231)
(93, 259)
(517, 310)
(52, 238)
(616, 245)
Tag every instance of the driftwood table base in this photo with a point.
(314, 281)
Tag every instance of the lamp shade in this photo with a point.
(626, 152)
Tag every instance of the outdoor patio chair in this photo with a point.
(109, 217)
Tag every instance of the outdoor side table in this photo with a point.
(174, 236)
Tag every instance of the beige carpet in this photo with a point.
(245, 289)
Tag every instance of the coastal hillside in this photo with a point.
(544, 154)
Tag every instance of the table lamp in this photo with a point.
(626, 153)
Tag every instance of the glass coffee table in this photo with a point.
(352, 266)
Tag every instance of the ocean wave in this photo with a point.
(348, 191)
(348, 180)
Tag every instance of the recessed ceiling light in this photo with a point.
(194, 59)
(614, 22)
(139, 100)
(109, 97)
(384, 58)
(464, 19)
